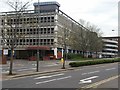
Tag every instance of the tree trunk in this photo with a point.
(83, 54)
(11, 62)
(38, 57)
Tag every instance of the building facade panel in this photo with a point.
(41, 28)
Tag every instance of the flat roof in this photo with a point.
(46, 3)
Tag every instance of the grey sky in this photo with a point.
(103, 13)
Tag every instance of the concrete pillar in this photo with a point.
(67, 51)
(119, 29)
(55, 52)
(119, 46)
(62, 52)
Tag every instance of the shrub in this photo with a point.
(94, 62)
(72, 56)
(117, 60)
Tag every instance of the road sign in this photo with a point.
(5, 51)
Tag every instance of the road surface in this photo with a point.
(82, 77)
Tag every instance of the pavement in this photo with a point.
(0, 59)
(25, 72)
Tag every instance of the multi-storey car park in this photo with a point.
(43, 29)
(110, 47)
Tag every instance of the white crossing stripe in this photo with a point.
(49, 76)
(110, 69)
(26, 69)
(90, 72)
(53, 80)
(51, 65)
(4, 71)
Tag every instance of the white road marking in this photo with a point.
(100, 66)
(33, 68)
(53, 80)
(51, 65)
(88, 80)
(90, 72)
(49, 76)
(110, 69)
(46, 81)
(64, 77)
(34, 64)
(25, 69)
(78, 69)
(4, 71)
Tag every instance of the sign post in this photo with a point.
(4, 58)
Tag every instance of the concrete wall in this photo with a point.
(119, 28)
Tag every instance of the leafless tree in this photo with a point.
(93, 37)
(10, 34)
(63, 40)
(86, 39)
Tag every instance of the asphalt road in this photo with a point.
(82, 77)
(23, 66)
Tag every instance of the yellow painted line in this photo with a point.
(94, 85)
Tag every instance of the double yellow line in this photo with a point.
(95, 85)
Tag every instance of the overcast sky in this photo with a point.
(102, 13)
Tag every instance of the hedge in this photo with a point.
(73, 56)
(94, 62)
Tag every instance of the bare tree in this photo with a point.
(10, 34)
(80, 40)
(93, 37)
(86, 39)
(63, 41)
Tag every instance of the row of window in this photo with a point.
(33, 31)
(106, 51)
(33, 42)
(109, 47)
(29, 20)
(111, 43)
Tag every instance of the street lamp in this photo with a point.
(117, 54)
(38, 56)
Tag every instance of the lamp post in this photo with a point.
(38, 56)
(117, 54)
(118, 46)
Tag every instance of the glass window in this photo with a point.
(48, 31)
(52, 30)
(45, 31)
(48, 19)
(45, 19)
(41, 19)
(52, 19)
